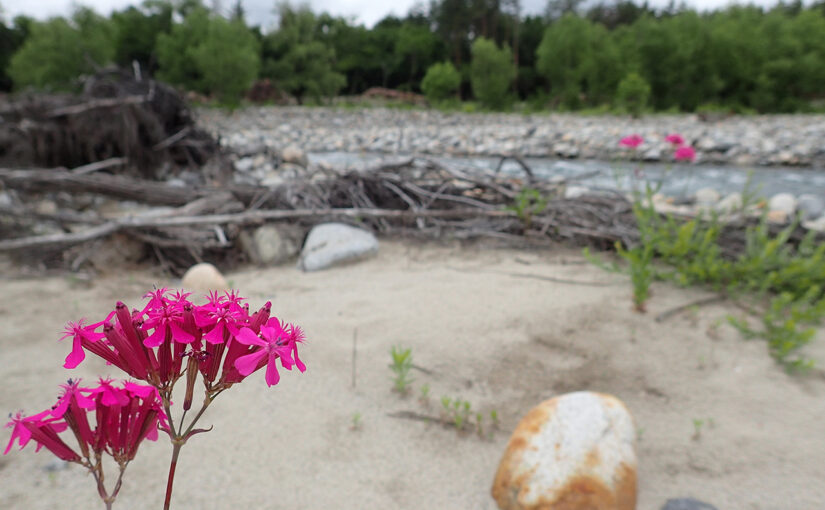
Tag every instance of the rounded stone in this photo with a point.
(784, 202)
(201, 278)
(811, 206)
(293, 154)
(572, 452)
(731, 203)
(707, 196)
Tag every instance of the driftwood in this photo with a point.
(415, 197)
(116, 116)
(116, 186)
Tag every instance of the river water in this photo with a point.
(680, 180)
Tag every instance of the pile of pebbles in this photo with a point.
(775, 140)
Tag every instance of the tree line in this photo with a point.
(616, 54)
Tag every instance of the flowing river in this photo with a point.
(679, 180)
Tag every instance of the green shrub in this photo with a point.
(491, 73)
(227, 59)
(210, 55)
(441, 82)
(57, 51)
(633, 94)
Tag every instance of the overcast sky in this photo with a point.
(259, 12)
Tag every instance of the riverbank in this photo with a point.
(767, 140)
(717, 418)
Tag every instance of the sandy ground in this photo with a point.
(488, 335)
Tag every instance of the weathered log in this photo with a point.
(117, 186)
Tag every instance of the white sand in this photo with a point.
(495, 339)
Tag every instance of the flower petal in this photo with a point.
(215, 335)
(77, 355)
(156, 338)
(248, 337)
(179, 335)
(272, 376)
(247, 364)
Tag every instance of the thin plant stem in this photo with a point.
(174, 464)
(178, 440)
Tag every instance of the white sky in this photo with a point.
(259, 12)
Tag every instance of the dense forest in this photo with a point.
(612, 55)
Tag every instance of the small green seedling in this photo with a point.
(401, 366)
(528, 203)
(697, 428)
(356, 421)
(424, 398)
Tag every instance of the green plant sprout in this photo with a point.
(775, 276)
(697, 428)
(401, 366)
(527, 204)
(424, 397)
(356, 421)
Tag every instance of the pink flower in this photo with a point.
(79, 333)
(44, 431)
(166, 320)
(675, 138)
(631, 141)
(218, 317)
(684, 153)
(273, 343)
(19, 430)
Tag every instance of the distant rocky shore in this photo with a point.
(782, 140)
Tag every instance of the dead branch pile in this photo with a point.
(116, 116)
(417, 197)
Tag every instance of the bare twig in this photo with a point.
(99, 165)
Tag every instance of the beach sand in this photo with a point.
(489, 326)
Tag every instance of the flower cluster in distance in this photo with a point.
(682, 151)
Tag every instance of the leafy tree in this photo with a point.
(174, 51)
(580, 62)
(441, 82)
(228, 59)
(414, 48)
(137, 30)
(56, 52)
(297, 60)
(11, 39)
(491, 73)
(633, 94)
(209, 54)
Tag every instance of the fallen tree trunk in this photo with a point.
(117, 186)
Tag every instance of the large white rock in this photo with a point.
(707, 196)
(201, 278)
(731, 203)
(572, 452)
(784, 202)
(335, 243)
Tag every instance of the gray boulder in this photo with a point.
(811, 206)
(270, 244)
(330, 244)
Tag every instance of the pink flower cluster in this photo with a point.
(682, 151)
(123, 418)
(220, 339)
